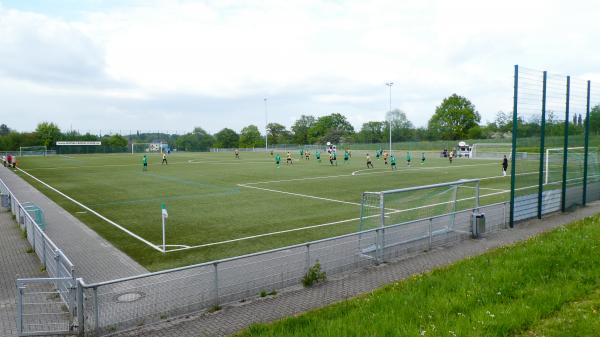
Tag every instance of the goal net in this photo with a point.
(386, 208)
(430, 212)
(33, 151)
(146, 147)
(491, 150)
(554, 161)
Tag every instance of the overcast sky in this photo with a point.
(173, 65)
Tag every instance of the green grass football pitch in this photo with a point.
(213, 198)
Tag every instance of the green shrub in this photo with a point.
(314, 275)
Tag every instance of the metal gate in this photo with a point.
(46, 306)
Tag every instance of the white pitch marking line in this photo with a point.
(335, 222)
(301, 195)
(309, 196)
(95, 213)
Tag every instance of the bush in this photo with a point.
(314, 275)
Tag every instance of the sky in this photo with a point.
(115, 66)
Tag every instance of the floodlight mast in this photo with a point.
(389, 84)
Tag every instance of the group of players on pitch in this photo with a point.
(333, 158)
(347, 155)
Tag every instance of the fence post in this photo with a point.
(382, 234)
(96, 312)
(80, 316)
(586, 144)
(378, 246)
(57, 263)
(216, 265)
(307, 256)
(563, 192)
(542, 147)
(44, 254)
(430, 233)
(34, 230)
(513, 156)
(20, 309)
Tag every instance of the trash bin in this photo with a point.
(478, 222)
(5, 200)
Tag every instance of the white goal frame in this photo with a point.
(160, 147)
(499, 154)
(42, 148)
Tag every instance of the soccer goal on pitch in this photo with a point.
(491, 150)
(427, 213)
(146, 148)
(33, 151)
(554, 161)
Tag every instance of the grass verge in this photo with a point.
(503, 292)
(580, 318)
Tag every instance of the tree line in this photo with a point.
(456, 118)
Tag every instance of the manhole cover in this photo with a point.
(129, 297)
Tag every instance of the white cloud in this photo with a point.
(192, 63)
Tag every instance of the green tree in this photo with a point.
(371, 132)
(453, 118)
(595, 119)
(4, 130)
(117, 141)
(47, 134)
(277, 134)
(331, 128)
(301, 127)
(402, 128)
(197, 140)
(227, 138)
(250, 137)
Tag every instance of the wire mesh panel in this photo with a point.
(593, 164)
(575, 161)
(550, 121)
(40, 309)
(118, 305)
(249, 276)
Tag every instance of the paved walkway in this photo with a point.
(236, 317)
(15, 262)
(95, 259)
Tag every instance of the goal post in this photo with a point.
(491, 150)
(40, 150)
(392, 207)
(146, 147)
(418, 215)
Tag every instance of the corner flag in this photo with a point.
(164, 211)
(164, 216)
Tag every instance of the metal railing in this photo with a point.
(53, 260)
(123, 303)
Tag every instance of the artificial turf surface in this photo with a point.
(213, 197)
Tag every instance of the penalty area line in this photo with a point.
(94, 212)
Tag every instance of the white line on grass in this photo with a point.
(95, 213)
(268, 234)
(301, 195)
